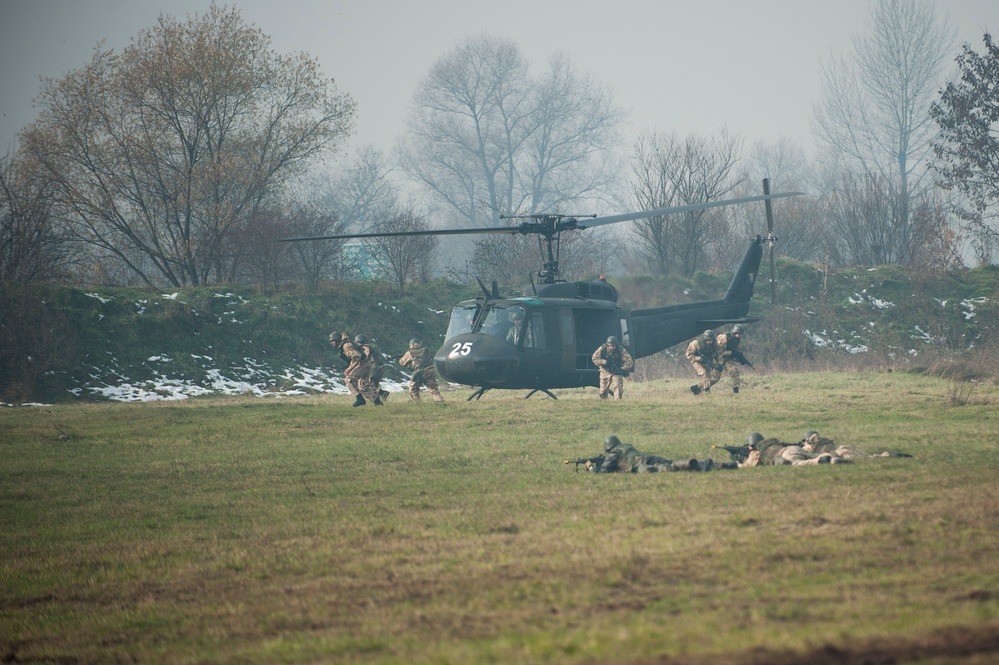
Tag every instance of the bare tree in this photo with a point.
(874, 114)
(798, 224)
(967, 149)
(265, 260)
(318, 259)
(362, 193)
(864, 217)
(31, 247)
(487, 138)
(404, 258)
(673, 171)
(162, 150)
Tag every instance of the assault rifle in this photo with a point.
(614, 367)
(738, 453)
(588, 462)
(740, 358)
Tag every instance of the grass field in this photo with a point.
(247, 530)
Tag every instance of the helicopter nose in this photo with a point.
(475, 359)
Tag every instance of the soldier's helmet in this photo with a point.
(361, 339)
(810, 433)
(336, 336)
(709, 335)
(413, 343)
(612, 340)
(611, 442)
(738, 329)
(754, 438)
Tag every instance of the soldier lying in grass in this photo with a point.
(621, 457)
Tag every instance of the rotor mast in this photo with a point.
(548, 227)
(549, 267)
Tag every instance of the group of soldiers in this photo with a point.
(619, 457)
(811, 449)
(366, 365)
(711, 355)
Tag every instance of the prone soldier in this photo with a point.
(757, 451)
(621, 457)
(815, 444)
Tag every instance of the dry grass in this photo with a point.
(302, 530)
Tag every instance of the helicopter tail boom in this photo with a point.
(656, 329)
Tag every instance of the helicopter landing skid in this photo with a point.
(543, 390)
(477, 394)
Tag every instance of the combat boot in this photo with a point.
(735, 389)
(696, 389)
(360, 401)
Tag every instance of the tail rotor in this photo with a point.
(771, 241)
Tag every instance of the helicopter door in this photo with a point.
(593, 327)
(568, 339)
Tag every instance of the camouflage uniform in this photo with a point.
(350, 352)
(725, 344)
(701, 352)
(625, 458)
(370, 371)
(419, 361)
(758, 451)
(798, 456)
(813, 443)
(615, 363)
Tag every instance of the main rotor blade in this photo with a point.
(628, 216)
(391, 234)
(547, 229)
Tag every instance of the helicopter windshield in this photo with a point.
(504, 321)
(462, 318)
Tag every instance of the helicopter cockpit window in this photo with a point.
(461, 322)
(504, 321)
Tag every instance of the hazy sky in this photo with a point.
(749, 65)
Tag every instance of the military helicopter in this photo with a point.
(544, 341)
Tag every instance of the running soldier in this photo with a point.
(729, 355)
(615, 363)
(701, 352)
(421, 363)
(370, 378)
(350, 352)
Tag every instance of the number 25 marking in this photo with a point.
(460, 349)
